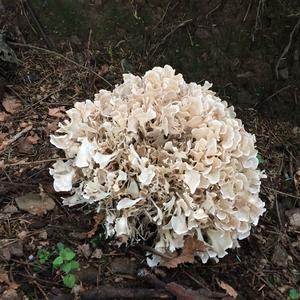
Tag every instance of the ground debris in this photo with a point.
(89, 275)
(293, 216)
(10, 248)
(35, 203)
(191, 245)
(124, 265)
(280, 256)
(11, 104)
(229, 289)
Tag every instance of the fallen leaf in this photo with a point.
(25, 147)
(2, 136)
(227, 288)
(4, 278)
(52, 126)
(9, 249)
(35, 204)
(293, 216)
(57, 112)
(85, 250)
(33, 139)
(3, 116)
(97, 254)
(10, 209)
(104, 69)
(10, 294)
(191, 245)
(11, 104)
(24, 124)
(98, 220)
(43, 235)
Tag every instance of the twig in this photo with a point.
(106, 292)
(182, 293)
(169, 34)
(175, 289)
(271, 286)
(149, 277)
(287, 47)
(52, 283)
(278, 212)
(283, 193)
(164, 15)
(33, 162)
(213, 10)
(14, 138)
(273, 95)
(154, 251)
(247, 12)
(260, 8)
(46, 97)
(200, 283)
(49, 42)
(61, 56)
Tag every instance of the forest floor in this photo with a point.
(250, 50)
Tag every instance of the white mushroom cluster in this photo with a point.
(163, 159)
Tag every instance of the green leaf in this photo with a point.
(60, 246)
(58, 261)
(70, 266)
(260, 158)
(294, 294)
(69, 280)
(67, 254)
(43, 255)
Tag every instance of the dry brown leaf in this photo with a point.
(2, 136)
(97, 254)
(98, 220)
(191, 245)
(25, 147)
(33, 139)
(52, 126)
(3, 116)
(9, 249)
(4, 278)
(35, 204)
(12, 286)
(57, 112)
(85, 250)
(11, 104)
(104, 69)
(227, 288)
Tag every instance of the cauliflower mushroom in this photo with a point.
(157, 150)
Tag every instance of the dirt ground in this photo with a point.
(66, 52)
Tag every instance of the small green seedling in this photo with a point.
(260, 158)
(66, 263)
(43, 256)
(294, 294)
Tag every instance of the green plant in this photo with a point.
(64, 260)
(66, 263)
(260, 158)
(294, 294)
(43, 256)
